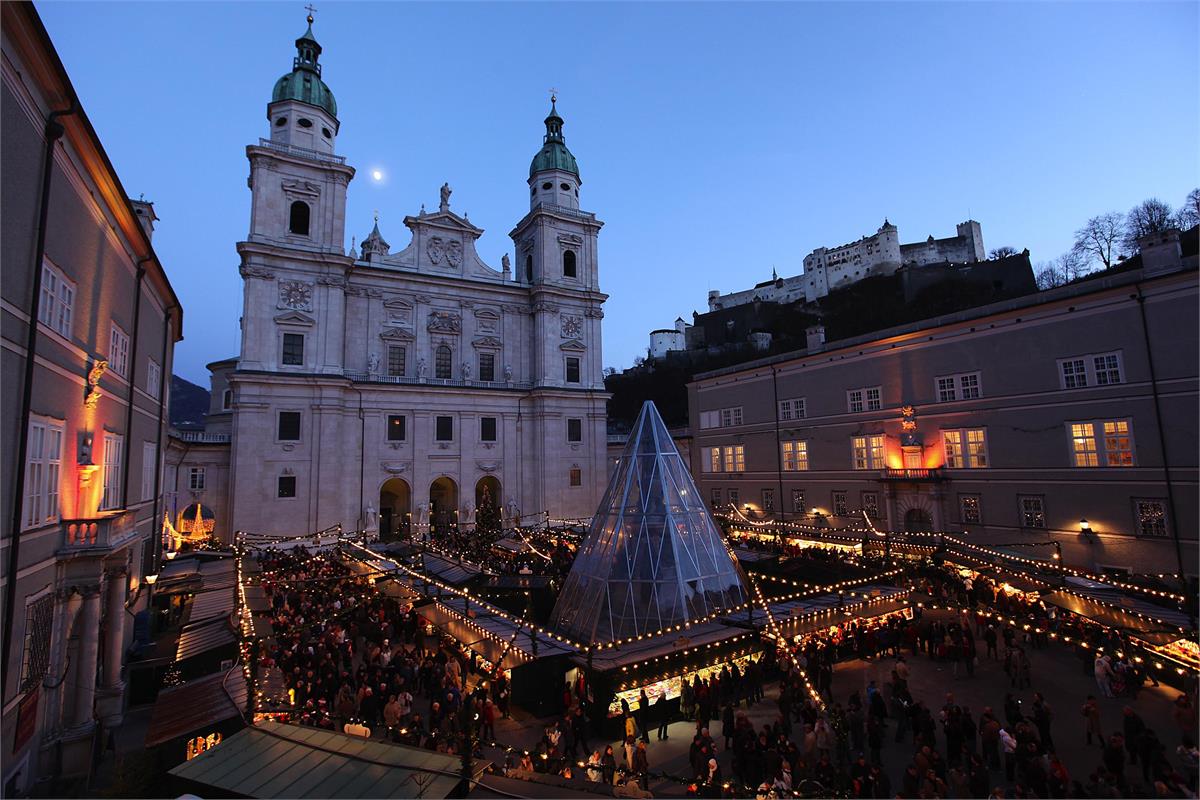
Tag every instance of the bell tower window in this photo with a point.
(529, 268)
(569, 264)
(298, 218)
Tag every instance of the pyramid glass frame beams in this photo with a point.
(653, 558)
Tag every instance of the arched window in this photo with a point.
(529, 268)
(442, 358)
(569, 264)
(298, 219)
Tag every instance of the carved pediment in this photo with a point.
(302, 187)
(488, 466)
(573, 345)
(295, 318)
(397, 304)
(446, 220)
(487, 342)
(570, 239)
(396, 335)
(394, 467)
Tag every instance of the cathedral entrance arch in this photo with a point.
(487, 504)
(917, 520)
(443, 504)
(395, 509)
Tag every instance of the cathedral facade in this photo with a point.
(391, 391)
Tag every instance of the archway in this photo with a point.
(395, 508)
(487, 504)
(443, 504)
(917, 520)
(195, 523)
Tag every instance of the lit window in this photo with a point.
(712, 459)
(397, 427)
(397, 361)
(196, 479)
(118, 351)
(1151, 517)
(1074, 375)
(114, 445)
(1108, 369)
(868, 452)
(1032, 509)
(443, 362)
(840, 508)
(795, 456)
(1118, 444)
(444, 429)
(965, 449)
(574, 430)
(57, 302)
(1083, 445)
(43, 466)
(293, 349)
(969, 509)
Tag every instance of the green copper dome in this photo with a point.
(554, 153)
(304, 82)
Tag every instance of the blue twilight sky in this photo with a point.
(715, 140)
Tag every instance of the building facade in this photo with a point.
(668, 340)
(391, 391)
(830, 268)
(89, 326)
(1067, 415)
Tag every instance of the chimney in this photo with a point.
(145, 214)
(816, 338)
(1161, 253)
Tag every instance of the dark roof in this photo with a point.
(517, 581)
(196, 705)
(198, 639)
(452, 572)
(274, 760)
(210, 605)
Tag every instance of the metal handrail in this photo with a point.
(303, 152)
(406, 380)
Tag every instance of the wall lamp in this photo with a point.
(1084, 528)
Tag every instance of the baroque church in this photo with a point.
(389, 391)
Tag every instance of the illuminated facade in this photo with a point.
(83, 429)
(392, 391)
(1040, 418)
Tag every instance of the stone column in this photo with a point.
(89, 648)
(110, 702)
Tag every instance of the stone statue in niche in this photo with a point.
(446, 191)
(508, 373)
(373, 363)
(420, 367)
(466, 370)
(513, 511)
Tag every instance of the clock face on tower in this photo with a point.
(295, 295)
(571, 327)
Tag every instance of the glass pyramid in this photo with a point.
(653, 557)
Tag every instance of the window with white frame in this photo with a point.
(870, 504)
(867, 451)
(714, 497)
(866, 399)
(735, 458)
(149, 453)
(1094, 369)
(795, 456)
(733, 497)
(57, 302)
(970, 509)
(965, 448)
(153, 378)
(1107, 442)
(721, 417)
(731, 458)
(840, 508)
(43, 467)
(1031, 509)
(1150, 517)
(964, 386)
(798, 501)
(114, 447)
(118, 351)
(854, 401)
(768, 499)
(874, 398)
(792, 409)
(196, 478)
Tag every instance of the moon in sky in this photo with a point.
(377, 175)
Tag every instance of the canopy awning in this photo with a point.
(198, 639)
(488, 633)
(1146, 621)
(210, 605)
(454, 573)
(196, 705)
(273, 760)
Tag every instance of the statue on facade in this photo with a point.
(446, 191)
(508, 373)
(373, 363)
(466, 370)
(514, 513)
(420, 367)
(505, 264)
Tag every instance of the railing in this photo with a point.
(375, 377)
(201, 437)
(912, 474)
(106, 533)
(570, 212)
(303, 152)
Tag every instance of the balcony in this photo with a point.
(404, 380)
(912, 474)
(97, 535)
(201, 437)
(303, 152)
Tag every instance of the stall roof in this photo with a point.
(801, 615)
(256, 600)
(273, 760)
(1126, 616)
(511, 545)
(198, 639)
(751, 556)
(452, 572)
(219, 574)
(516, 582)
(196, 705)
(705, 633)
(211, 604)
(538, 786)
(501, 628)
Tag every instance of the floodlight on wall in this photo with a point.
(1084, 528)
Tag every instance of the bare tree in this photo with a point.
(1188, 215)
(1048, 275)
(1100, 238)
(1073, 265)
(1004, 251)
(1149, 216)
